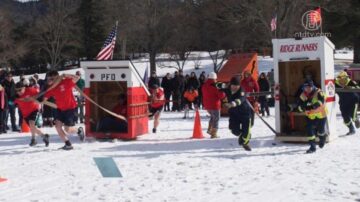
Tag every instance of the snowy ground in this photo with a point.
(168, 166)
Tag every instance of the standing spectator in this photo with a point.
(264, 87)
(33, 82)
(176, 87)
(250, 85)
(190, 96)
(9, 86)
(193, 82)
(212, 103)
(153, 80)
(166, 85)
(202, 79)
(270, 77)
(3, 109)
(80, 99)
(182, 80)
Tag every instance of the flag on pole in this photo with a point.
(107, 51)
(146, 75)
(315, 16)
(273, 22)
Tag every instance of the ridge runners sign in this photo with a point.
(298, 48)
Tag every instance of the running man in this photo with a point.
(30, 110)
(61, 89)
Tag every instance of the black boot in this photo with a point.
(322, 141)
(32, 143)
(351, 129)
(46, 140)
(312, 148)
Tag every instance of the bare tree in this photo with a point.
(218, 58)
(10, 49)
(56, 31)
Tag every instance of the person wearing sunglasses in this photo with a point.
(348, 101)
(29, 108)
(61, 89)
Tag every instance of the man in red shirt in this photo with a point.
(250, 85)
(156, 104)
(212, 97)
(61, 89)
(29, 109)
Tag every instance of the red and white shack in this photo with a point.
(294, 60)
(104, 82)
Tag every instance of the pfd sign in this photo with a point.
(107, 77)
(298, 47)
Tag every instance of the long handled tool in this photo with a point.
(266, 123)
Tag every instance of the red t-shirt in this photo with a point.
(158, 99)
(27, 108)
(63, 94)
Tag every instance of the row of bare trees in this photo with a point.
(53, 31)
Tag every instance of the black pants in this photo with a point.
(11, 111)
(348, 113)
(264, 105)
(315, 127)
(240, 126)
(176, 101)
(2, 120)
(167, 103)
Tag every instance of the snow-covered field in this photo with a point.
(169, 166)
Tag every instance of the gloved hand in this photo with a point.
(230, 105)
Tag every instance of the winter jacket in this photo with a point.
(242, 107)
(212, 96)
(153, 81)
(177, 84)
(191, 96)
(166, 84)
(264, 84)
(347, 99)
(249, 85)
(193, 82)
(313, 104)
(9, 89)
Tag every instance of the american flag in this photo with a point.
(273, 23)
(315, 16)
(106, 52)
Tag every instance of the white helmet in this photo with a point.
(212, 75)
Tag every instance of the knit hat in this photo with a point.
(212, 75)
(235, 81)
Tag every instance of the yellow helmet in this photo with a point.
(343, 74)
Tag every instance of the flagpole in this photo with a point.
(116, 27)
(321, 21)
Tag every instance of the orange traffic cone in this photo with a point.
(197, 133)
(25, 127)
